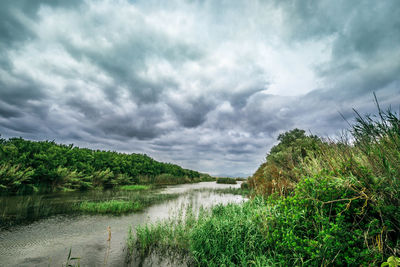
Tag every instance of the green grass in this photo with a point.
(223, 236)
(168, 238)
(226, 180)
(131, 204)
(290, 231)
(112, 206)
(135, 187)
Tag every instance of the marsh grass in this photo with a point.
(110, 207)
(135, 187)
(121, 206)
(222, 236)
(169, 238)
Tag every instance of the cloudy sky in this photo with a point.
(207, 84)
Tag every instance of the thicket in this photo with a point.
(28, 166)
(316, 203)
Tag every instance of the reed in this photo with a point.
(112, 206)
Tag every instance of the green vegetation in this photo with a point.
(112, 206)
(135, 187)
(316, 203)
(72, 261)
(120, 206)
(27, 167)
(391, 262)
(170, 237)
(226, 180)
(224, 236)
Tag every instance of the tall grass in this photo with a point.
(120, 206)
(169, 238)
(112, 206)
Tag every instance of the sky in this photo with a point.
(205, 84)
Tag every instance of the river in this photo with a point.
(46, 242)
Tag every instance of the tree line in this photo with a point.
(45, 166)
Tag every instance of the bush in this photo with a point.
(14, 179)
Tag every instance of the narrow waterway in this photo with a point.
(47, 242)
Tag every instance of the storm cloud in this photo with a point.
(205, 84)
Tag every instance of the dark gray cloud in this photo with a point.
(205, 84)
(8, 111)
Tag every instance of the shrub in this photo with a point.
(14, 179)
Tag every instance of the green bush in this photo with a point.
(14, 179)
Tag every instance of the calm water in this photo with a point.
(46, 242)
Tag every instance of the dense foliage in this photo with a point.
(279, 174)
(316, 203)
(28, 166)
